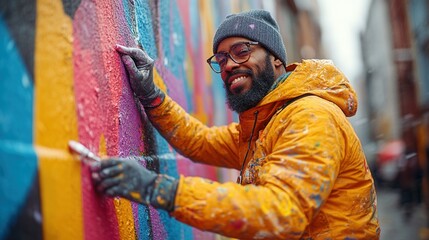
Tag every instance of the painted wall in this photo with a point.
(61, 80)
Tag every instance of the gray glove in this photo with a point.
(126, 178)
(140, 69)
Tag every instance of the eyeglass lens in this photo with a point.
(239, 53)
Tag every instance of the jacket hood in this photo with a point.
(316, 77)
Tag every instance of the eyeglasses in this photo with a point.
(239, 53)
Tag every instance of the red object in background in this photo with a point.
(389, 157)
(391, 151)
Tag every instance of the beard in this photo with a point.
(261, 84)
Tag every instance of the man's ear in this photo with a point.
(277, 62)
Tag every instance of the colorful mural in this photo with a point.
(62, 80)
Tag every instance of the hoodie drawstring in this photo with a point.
(240, 178)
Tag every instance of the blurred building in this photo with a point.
(377, 51)
(395, 49)
(300, 27)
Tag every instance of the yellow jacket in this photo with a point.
(305, 176)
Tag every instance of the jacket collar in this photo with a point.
(262, 114)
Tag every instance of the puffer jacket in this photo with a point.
(305, 175)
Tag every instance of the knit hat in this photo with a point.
(256, 25)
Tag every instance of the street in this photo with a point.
(394, 225)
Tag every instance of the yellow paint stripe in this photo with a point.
(124, 213)
(158, 80)
(55, 123)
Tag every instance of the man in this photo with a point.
(303, 174)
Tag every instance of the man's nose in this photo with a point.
(230, 64)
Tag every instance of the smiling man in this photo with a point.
(245, 87)
(303, 173)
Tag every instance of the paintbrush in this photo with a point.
(83, 152)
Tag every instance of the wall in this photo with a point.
(62, 80)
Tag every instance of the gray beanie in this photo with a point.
(256, 25)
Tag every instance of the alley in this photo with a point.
(393, 224)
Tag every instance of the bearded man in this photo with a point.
(303, 173)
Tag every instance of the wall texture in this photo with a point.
(62, 80)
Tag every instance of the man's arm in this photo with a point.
(217, 146)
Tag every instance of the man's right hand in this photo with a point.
(140, 69)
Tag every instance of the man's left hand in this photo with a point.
(125, 178)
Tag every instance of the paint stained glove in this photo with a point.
(140, 69)
(125, 177)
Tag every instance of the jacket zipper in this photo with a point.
(240, 177)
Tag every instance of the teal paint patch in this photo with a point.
(18, 162)
(140, 22)
(172, 38)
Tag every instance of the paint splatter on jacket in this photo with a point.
(305, 176)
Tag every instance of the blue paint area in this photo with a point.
(140, 20)
(168, 165)
(194, 18)
(172, 37)
(188, 92)
(146, 36)
(173, 45)
(175, 229)
(219, 99)
(18, 161)
(129, 13)
(144, 232)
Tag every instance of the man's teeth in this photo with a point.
(238, 79)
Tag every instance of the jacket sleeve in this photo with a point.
(216, 146)
(305, 147)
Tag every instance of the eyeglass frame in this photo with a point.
(228, 55)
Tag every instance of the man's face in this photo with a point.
(246, 83)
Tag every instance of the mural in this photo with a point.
(62, 80)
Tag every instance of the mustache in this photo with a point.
(238, 71)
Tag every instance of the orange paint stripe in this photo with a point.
(55, 123)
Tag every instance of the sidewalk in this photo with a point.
(393, 224)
